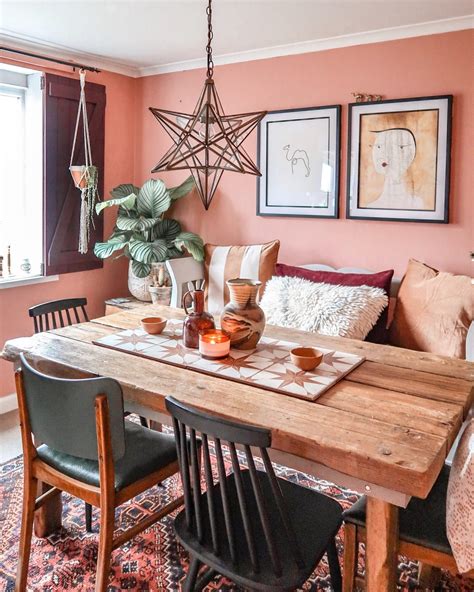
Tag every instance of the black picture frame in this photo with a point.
(262, 181)
(443, 212)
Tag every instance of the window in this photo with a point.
(21, 166)
(39, 204)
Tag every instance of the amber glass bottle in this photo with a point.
(196, 320)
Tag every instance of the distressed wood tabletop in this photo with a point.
(391, 421)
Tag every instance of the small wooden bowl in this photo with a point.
(153, 325)
(306, 358)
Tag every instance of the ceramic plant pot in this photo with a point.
(160, 295)
(140, 287)
(78, 176)
(243, 318)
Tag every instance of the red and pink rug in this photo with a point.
(153, 561)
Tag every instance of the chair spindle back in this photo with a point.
(58, 313)
(232, 496)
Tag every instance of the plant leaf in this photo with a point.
(124, 190)
(137, 224)
(160, 249)
(192, 243)
(104, 250)
(153, 199)
(167, 229)
(141, 270)
(174, 253)
(127, 202)
(183, 189)
(141, 251)
(123, 235)
(147, 252)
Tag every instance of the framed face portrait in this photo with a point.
(298, 156)
(399, 160)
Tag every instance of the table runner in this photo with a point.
(268, 366)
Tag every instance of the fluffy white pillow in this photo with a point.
(345, 311)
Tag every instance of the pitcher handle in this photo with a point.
(188, 293)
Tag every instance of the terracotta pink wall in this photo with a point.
(96, 285)
(431, 65)
(438, 64)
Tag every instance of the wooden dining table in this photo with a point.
(384, 430)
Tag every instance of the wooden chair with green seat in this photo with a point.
(89, 451)
(61, 313)
(422, 532)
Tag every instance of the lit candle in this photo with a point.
(214, 344)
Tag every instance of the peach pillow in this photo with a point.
(433, 312)
(223, 263)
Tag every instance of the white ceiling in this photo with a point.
(141, 37)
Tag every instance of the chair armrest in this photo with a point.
(182, 271)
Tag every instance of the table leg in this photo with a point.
(48, 517)
(381, 546)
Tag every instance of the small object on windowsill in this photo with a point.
(9, 261)
(26, 265)
(153, 325)
(306, 358)
(214, 344)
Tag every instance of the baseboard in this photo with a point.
(8, 403)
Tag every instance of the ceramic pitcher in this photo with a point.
(243, 318)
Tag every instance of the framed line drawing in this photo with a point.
(399, 160)
(298, 156)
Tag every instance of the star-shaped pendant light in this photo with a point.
(207, 141)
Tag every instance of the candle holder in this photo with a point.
(214, 344)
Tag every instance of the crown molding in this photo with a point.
(16, 41)
(388, 34)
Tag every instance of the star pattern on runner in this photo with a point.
(291, 377)
(132, 339)
(235, 363)
(178, 349)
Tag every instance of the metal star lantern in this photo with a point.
(207, 141)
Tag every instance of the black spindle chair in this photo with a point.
(58, 313)
(260, 531)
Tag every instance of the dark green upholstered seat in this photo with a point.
(422, 522)
(146, 451)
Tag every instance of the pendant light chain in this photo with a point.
(210, 36)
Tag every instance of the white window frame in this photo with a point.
(27, 85)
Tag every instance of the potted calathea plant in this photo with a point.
(144, 235)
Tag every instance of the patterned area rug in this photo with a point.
(153, 561)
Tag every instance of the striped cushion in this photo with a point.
(222, 263)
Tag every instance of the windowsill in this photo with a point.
(16, 282)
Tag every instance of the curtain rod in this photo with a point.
(48, 59)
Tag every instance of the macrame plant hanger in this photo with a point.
(85, 176)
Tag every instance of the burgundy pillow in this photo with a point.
(382, 279)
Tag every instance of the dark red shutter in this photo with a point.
(62, 201)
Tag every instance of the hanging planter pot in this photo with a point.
(85, 176)
(78, 174)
